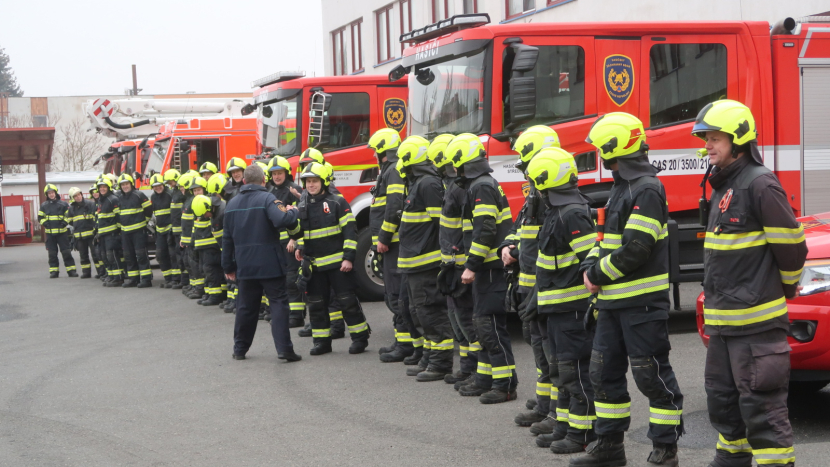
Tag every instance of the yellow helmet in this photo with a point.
(264, 167)
(93, 188)
(316, 170)
(279, 163)
(50, 186)
(156, 179)
(236, 163)
(200, 205)
(215, 183)
(112, 178)
(552, 168)
(311, 155)
(104, 181)
(208, 167)
(412, 151)
(464, 148)
(533, 140)
(617, 134)
(728, 116)
(126, 178)
(197, 181)
(436, 150)
(172, 175)
(73, 191)
(384, 140)
(185, 180)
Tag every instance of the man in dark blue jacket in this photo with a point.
(252, 256)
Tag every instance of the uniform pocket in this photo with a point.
(770, 366)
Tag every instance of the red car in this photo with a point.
(809, 313)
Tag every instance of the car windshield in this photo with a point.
(448, 97)
(153, 159)
(278, 127)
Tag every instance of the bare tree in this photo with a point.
(76, 147)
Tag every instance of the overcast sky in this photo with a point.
(86, 47)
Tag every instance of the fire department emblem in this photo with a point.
(619, 78)
(394, 113)
(525, 189)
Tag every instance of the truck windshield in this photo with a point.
(278, 126)
(154, 160)
(448, 97)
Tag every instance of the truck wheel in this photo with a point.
(369, 286)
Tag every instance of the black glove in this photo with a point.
(446, 278)
(590, 319)
(377, 264)
(304, 275)
(458, 288)
(529, 309)
(96, 239)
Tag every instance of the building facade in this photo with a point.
(361, 36)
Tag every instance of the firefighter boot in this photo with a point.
(212, 300)
(416, 356)
(129, 283)
(496, 396)
(196, 293)
(472, 390)
(664, 455)
(566, 446)
(543, 427)
(544, 441)
(431, 375)
(388, 349)
(606, 451)
(53, 275)
(295, 322)
(176, 285)
(464, 382)
(230, 307)
(398, 354)
(359, 346)
(145, 283)
(114, 281)
(86, 274)
(414, 370)
(531, 404)
(528, 418)
(305, 331)
(453, 378)
(321, 346)
(72, 273)
(338, 329)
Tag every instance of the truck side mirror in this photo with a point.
(398, 72)
(318, 127)
(522, 91)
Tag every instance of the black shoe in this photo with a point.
(238, 357)
(544, 441)
(543, 427)
(97, 276)
(453, 378)
(358, 347)
(395, 356)
(87, 274)
(290, 357)
(664, 454)
(186, 289)
(566, 446)
(464, 382)
(129, 283)
(606, 451)
(267, 317)
(72, 273)
(176, 285)
(305, 331)
(114, 283)
(230, 307)
(338, 333)
(414, 370)
(145, 283)
(195, 294)
(531, 404)
(295, 322)
(320, 348)
(472, 390)
(415, 357)
(430, 375)
(53, 275)
(496, 396)
(528, 418)
(388, 349)
(212, 300)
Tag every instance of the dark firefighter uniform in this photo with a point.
(286, 197)
(488, 211)
(327, 236)
(81, 216)
(108, 233)
(230, 190)
(566, 237)
(207, 233)
(134, 212)
(98, 251)
(384, 220)
(197, 280)
(176, 202)
(451, 234)
(420, 254)
(631, 267)
(754, 253)
(165, 241)
(52, 218)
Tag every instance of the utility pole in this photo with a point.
(134, 91)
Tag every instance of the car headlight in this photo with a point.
(816, 277)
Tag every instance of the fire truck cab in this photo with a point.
(336, 115)
(469, 76)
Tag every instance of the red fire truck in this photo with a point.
(497, 80)
(336, 115)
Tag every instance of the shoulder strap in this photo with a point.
(748, 175)
(572, 207)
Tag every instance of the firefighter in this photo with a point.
(207, 170)
(329, 240)
(420, 255)
(134, 212)
(108, 233)
(195, 186)
(264, 305)
(628, 270)
(81, 216)
(384, 217)
(171, 178)
(162, 199)
(451, 233)
(234, 169)
(486, 208)
(754, 253)
(185, 221)
(561, 298)
(522, 247)
(52, 218)
(97, 256)
(209, 214)
(282, 186)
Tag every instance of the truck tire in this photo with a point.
(369, 286)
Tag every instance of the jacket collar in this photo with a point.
(565, 196)
(719, 176)
(246, 188)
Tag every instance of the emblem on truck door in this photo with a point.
(394, 113)
(619, 78)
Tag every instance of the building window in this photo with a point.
(338, 48)
(442, 9)
(684, 78)
(384, 37)
(357, 45)
(517, 7)
(40, 121)
(470, 6)
(557, 2)
(405, 7)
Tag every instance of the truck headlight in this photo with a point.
(816, 277)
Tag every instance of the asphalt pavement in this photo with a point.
(93, 376)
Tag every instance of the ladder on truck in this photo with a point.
(317, 130)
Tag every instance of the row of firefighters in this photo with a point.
(591, 290)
